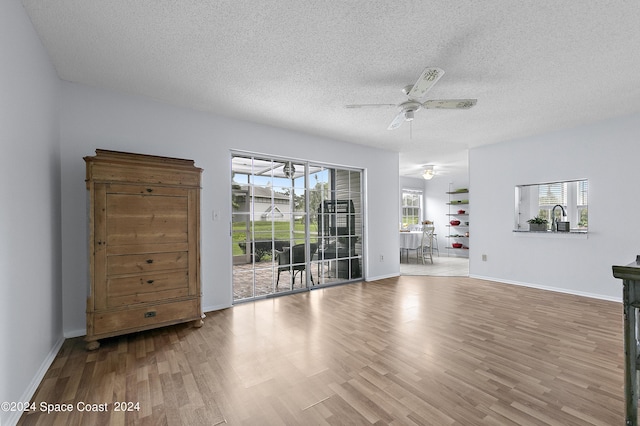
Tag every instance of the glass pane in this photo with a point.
(262, 230)
(343, 194)
(583, 218)
(552, 194)
(240, 199)
(299, 203)
(316, 197)
(583, 193)
(411, 208)
(243, 282)
(264, 281)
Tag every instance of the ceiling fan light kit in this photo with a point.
(429, 173)
(408, 114)
(417, 91)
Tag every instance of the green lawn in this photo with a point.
(266, 231)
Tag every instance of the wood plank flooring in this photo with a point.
(399, 351)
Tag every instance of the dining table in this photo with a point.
(409, 240)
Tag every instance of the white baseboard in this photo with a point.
(206, 309)
(381, 277)
(548, 288)
(75, 333)
(37, 379)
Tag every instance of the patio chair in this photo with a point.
(294, 261)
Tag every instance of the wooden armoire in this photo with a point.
(144, 243)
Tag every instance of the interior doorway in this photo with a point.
(296, 225)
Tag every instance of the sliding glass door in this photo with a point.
(290, 227)
(338, 225)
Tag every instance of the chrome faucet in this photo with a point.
(554, 221)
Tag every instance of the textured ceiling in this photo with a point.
(534, 66)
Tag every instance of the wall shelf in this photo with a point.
(457, 198)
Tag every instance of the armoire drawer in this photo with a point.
(145, 288)
(147, 262)
(145, 317)
(133, 219)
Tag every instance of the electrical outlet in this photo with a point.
(381, 258)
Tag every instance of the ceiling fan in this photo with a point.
(415, 92)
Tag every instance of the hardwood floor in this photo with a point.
(400, 351)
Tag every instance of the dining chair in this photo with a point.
(434, 238)
(426, 247)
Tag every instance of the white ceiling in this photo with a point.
(534, 66)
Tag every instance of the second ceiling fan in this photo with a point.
(415, 93)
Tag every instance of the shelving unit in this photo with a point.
(337, 237)
(630, 276)
(458, 211)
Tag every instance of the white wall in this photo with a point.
(93, 118)
(30, 290)
(607, 154)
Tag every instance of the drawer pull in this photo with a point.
(150, 314)
(149, 281)
(149, 190)
(149, 260)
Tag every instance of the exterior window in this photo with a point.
(540, 199)
(411, 207)
(550, 195)
(583, 204)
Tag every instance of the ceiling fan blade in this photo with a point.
(427, 79)
(397, 121)
(369, 105)
(450, 104)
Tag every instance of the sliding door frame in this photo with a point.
(315, 265)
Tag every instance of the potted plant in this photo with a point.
(537, 224)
